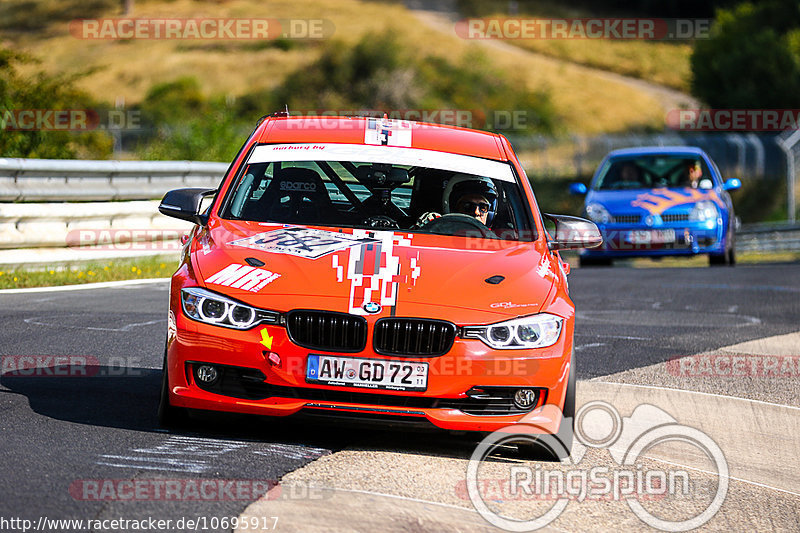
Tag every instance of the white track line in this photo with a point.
(85, 286)
(597, 380)
(716, 474)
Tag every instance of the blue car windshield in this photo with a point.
(653, 171)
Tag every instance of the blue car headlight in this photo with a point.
(535, 331)
(597, 213)
(212, 308)
(703, 211)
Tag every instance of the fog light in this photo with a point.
(207, 374)
(525, 398)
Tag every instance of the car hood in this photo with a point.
(653, 201)
(431, 276)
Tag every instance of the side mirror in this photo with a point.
(732, 184)
(185, 204)
(577, 189)
(573, 232)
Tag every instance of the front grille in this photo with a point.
(627, 219)
(413, 337)
(327, 330)
(248, 383)
(680, 217)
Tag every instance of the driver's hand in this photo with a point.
(427, 217)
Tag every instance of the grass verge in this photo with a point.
(161, 266)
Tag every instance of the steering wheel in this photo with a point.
(457, 224)
(381, 222)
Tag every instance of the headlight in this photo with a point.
(212, 308)
(535, 331)
(704, 210)
(597, 213)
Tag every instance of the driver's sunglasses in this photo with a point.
(469, 207)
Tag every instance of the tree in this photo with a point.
(752, 59)
(39, 95)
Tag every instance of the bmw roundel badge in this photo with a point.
(372, 307)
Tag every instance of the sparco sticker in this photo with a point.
(302, 242)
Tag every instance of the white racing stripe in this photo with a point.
(383, 154)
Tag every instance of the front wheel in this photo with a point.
(726, 258)
(547, 450)
(169, 416)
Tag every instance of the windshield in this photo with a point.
(418, 191)
(652, 171)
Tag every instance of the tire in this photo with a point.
(594, 261)
(732, 249)
(169, 416)
(728, 257)
(559, 450)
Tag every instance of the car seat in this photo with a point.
(295, 195)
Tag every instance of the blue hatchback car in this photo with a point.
(657, 201)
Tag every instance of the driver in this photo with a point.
(694, 174)
(468, 195)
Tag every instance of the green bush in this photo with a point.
(379, 73)
(752, 59)
(173, 101)
(26, 15)
(42, 92)
(760, 201)
(184, 124)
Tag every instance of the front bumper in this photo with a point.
(250, 383)
(689, 240)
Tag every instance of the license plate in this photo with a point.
(652, 236)
(366, 373)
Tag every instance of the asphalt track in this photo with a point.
(67, 431)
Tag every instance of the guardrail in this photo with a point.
(46, 180)
(768, 238)
(99, 184)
